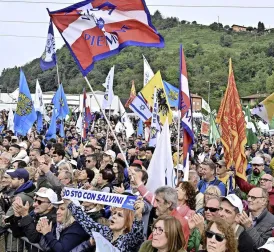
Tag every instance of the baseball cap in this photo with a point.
(23, 145)
(20, 174)
(221, 162)
(111, 153)
(257, 160)
(180, 167)
(44, 192)
(234, 201)
(269, 245)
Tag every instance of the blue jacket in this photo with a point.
(70, 237)
(203, 185)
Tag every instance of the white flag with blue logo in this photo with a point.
(155, 126)
(140, 108)
(108, 96)
(148, 73)
(48, 59)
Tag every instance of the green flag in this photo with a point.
(250, 135)
(214, 132)
(271, 124)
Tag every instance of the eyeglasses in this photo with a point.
(39, 202)
(219, 166)
(257, 164)
(157, 230)
(211, 209)
(218, 237)
(265, 180)
(253, 197)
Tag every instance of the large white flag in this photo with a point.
(148, 73)
(79, 125)
(38, 99)
(108, 96)
(161, 164)
(126, 121)
(205, 106)
(10, 124)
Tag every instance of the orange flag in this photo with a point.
(131, 96)
(232, 123)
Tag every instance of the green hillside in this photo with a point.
(207, 52)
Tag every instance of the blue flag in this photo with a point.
(25, 114)
(51, 133)
(140, 130)
(39, 121)
(62, 130)
(48, 59)
(60, 103)
(172, 94)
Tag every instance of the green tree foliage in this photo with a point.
(207, 60)
(261, 27)
(226, 40)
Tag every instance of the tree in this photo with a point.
(261, 27)
(226, 40)
(216, 26)
(270, 83)
(227, 27)
(157, 15)
(194, 22)
(249, 28)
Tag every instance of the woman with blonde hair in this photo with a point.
(212, 192)
(219, 237)
(65, 235)
(167, 236)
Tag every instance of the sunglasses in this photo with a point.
(265, 180)
(211, 209)
(88, 161)
(218, 237)
(39, 202)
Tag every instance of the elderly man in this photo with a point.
(265, 182)
(260, 221)
(5, 160)
(164, 200)
(257, 171)
(43, 208)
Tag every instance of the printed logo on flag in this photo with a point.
(24, 105)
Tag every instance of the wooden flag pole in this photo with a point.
(108, 128)
(58, 76)
(104, 114)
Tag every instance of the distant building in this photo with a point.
(196, 102)
(238, 28)
(253, 99)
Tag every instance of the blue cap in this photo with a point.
(20, 173)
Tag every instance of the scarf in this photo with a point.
(59, 229)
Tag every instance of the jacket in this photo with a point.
(25, 192)
(70, 237)
(245, 243)
(129, 242)
(202, 185)
(147, 247)
(246, 187)
(262, 230)
(29, 222)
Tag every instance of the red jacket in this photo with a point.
(246, 187)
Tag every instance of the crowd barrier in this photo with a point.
(22, 244)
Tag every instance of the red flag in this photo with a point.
(232, 123)
(131, 96)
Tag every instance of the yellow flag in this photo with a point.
(164, 110)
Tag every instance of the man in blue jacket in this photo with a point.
(209, 178)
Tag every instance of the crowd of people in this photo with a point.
(213, 210)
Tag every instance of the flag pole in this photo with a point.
(178, 144)
(108, 128)
(58, 76)
(104, 114)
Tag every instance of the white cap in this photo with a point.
(257, 160)
(269, 245)
(23, 145)
(180, 167)
(47, 193)
(111, 153)
(73, 162)
(235, 201)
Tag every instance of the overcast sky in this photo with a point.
(17, 51)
